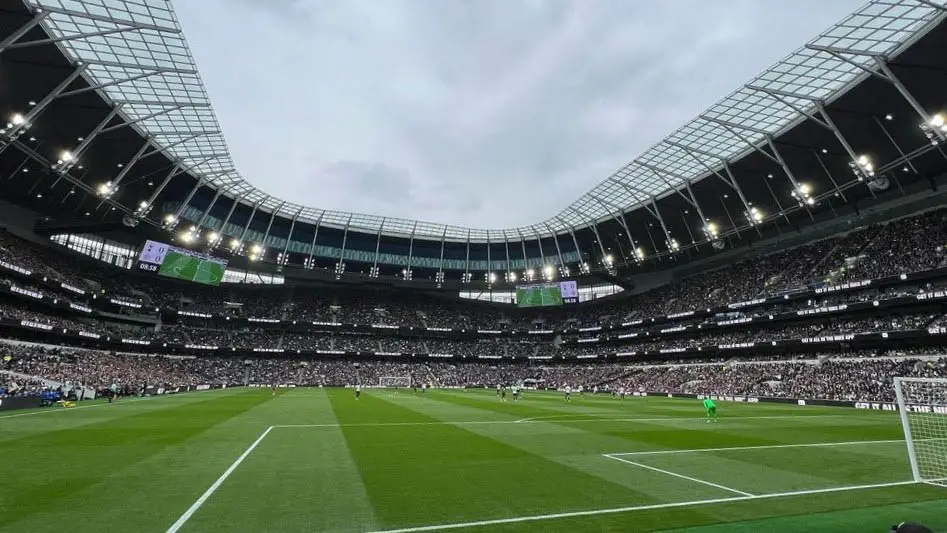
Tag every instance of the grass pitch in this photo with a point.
(318, 460)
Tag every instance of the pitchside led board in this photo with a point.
(179, 263)
(547, 294)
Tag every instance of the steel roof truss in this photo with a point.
(22, 30)
(66, 38)
(106, 18)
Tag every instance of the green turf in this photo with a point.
(401, 460)
(189, 268)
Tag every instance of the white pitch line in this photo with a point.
(761, 447)
(528, 421)
(681, 476)
(48, 410)
(210, 490)
(55, 410)
(617, 510)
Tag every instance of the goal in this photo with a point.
(403, 382)
(922, 404)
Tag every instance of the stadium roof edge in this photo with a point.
(109, 38)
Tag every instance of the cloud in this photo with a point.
(487, 113)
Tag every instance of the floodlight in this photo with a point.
(66, 156)
(17, 119)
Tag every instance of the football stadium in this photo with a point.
(742, 329)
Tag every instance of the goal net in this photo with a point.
(922, 404)
(403, 382)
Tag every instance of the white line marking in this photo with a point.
(762, 447)
(616, 510)
(47, 410)
(61, 410)
(207, 493)
(682, 476)
(529, 421)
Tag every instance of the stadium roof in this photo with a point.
(136, 54)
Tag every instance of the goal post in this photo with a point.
(922, 406)
(390, 382)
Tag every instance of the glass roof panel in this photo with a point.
(136, 52)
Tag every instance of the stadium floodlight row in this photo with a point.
(790, 147)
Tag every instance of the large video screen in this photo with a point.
(179, 263)
(547, 294)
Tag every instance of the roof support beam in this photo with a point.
(525, 257)
(190, 196)
(489, 261)
(881, 70)
(127, 167)
(689, 197)
(509, 267)
(467, 260)
(729, 179)
(66, 38)
(594, 229)
(826, 122)
(555, 238)
(164, 103)
(176, 170)
(828, 173)
(139, 119)
(133, 66)
(246, 227)
(23, 30)
(575, 241)
(223, 224)
(542, 254)
(87, 140)
(283, 258)
(381, 226)
(206, 213)
(108, 19)
(269, 225)
(664, 228)
(616, 214)
(775, 156)
(30, 116)
(414, 229)
(735, 130)
(95, 87)
(907, 160)
(440, 265)
(312, 246)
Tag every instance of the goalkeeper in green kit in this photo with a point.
(711, 409)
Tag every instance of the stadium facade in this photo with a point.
(109, 127)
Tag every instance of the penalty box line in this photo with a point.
(760, 447)
(681, 476)
(618, 510)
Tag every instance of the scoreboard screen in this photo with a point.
(547, 294)
(180, 263)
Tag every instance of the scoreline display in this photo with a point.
(547, 294)
(179, 263)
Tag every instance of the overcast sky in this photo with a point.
(483, 113)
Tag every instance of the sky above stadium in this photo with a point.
(482, 113)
